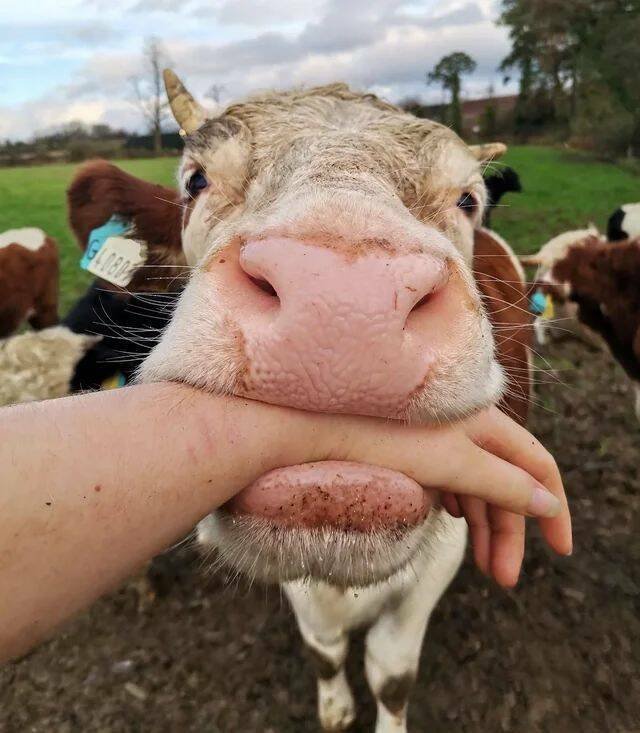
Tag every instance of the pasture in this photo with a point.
(558, 653)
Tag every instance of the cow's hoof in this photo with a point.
(337, 712)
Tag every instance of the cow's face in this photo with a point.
(331, 238)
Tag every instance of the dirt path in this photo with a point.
(561, 653)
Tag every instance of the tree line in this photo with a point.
(575, 62)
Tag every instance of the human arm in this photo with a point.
(95, 485)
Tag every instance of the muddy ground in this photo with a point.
(560, 653)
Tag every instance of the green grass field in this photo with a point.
(561, 191)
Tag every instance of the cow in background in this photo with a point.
(28, 280)
(560, 317)
(624, 223)
(602, 280)
(128, 320)
(498, 184)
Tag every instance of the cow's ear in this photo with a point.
(488, 151)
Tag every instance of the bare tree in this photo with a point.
(149, 90)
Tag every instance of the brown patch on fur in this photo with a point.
(395, 692)
(29, 286)
(238, 352)
(350, 249)
(230, 251)
(101, 190)
(456, 279)
(505, 298)
(324, 666)
(605, 283)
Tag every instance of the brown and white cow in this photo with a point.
(101, 190)
(28, 279)
(338, 265)
(563, 320)
(127, 319)
(602, 281)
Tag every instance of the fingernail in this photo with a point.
(543, 503)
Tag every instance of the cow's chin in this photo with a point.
(263, 550)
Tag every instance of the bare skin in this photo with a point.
(93, 486)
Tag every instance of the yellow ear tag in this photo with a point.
(548, 312)
(117, 380)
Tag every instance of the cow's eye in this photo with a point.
(468, 203)
(198, 182)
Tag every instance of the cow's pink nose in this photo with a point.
(327, 331)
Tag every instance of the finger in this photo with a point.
(486, 476)
(448, 460)
(507, 545)
(450, 503)
(475, 512)
(497, 433)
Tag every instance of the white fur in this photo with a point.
(636, 389)
(557, 247)
(631, 221)
(396, 610)
(30, 238)
(39, 365)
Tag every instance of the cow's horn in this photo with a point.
(188, 113)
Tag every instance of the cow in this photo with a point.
(338, 265)
(28, 280)
(624, 223)
(562, 316)
(39, 365)
(602, 280)
(127, 319)
(498, 184)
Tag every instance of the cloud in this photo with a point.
(386, 46)
(51, 112)
(259, 12)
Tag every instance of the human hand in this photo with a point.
(490, 470)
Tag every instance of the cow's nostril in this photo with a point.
(437, 284)
(264, 285)
(423, 301)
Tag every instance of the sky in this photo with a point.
(65, 60)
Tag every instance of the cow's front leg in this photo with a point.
(392, 654)
(394, 642)
(327, 644)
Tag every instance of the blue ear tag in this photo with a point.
(538, 303)
(114, 227)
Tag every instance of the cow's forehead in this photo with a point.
(358, 122)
